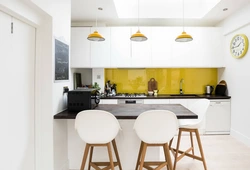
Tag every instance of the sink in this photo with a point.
(184, 95)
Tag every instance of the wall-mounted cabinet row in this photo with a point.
(160, 50)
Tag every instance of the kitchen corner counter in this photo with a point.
(130, 111)
(172, 96)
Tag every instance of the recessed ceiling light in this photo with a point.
(225, 9)
(100, 8)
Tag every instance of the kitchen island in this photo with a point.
(132, 111)
(127, 141)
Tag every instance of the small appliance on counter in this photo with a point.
(110, 89)
(209, 90)
(221, 88)
(83, 99)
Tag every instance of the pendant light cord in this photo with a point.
(138, 15)
(183, 15)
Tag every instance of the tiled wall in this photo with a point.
(136, 80)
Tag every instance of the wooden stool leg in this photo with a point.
(139, 156)
(90, 156)
(200, 148)
(86, 151)
(177, 148)
(192, 143)
(116, 154)
(167, 156)
(110, 156)
(143, 154)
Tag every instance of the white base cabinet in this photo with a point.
(218, 117)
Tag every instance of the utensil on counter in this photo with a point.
(152, 84)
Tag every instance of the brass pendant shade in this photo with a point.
(184, 37)
(138, 36)
(95, 36)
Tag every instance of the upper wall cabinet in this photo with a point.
(204, 51)
(141, 51)
(120, 50)
(100, 51)
(159, 51)
(162, 40)
(80, 47)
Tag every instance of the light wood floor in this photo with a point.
(222, 152)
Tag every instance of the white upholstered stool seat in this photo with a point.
(98, 128)
(155, 128)
(191, 126)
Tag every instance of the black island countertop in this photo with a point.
(173, 96)
(131, 111)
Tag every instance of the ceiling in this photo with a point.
(85, 11)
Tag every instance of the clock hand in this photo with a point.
(237, 45)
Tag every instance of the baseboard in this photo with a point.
(239, 136)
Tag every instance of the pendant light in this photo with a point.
(138, 36)
(184, 37)
(95, 36)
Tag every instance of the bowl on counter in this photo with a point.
(150, 93)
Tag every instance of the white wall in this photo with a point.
(237, 76)
(60, 10)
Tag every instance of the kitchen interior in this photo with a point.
(148, 72)
(158, 71)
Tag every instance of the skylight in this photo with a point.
(163, 8)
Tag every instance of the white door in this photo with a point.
(5, 48)
(19, 80)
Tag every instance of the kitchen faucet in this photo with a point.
(181, 82)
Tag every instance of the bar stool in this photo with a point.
(191, 125)
(98, 128)
(155, 128)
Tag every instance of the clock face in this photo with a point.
(239, 45)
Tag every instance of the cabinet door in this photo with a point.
(212, 47)
(204, 51)
(218, 118)
(183, 102)
(156, 101)
(120, 50)
(108, 101)
(141, 51)
(80, 47)
(162, 40)
(100, 51)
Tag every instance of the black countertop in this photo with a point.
(173, 96)
(131, 111)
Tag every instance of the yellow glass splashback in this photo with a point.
(168, 79)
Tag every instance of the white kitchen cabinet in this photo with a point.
(120, 47)
(161, 44)
(218, 117)
(80, 47)
(100, 50)
(183, 102)
(156, 101)
(108, 101)
(204, 51)
(141, 51)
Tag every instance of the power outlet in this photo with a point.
(65, 89)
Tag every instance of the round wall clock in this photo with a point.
(239, 45)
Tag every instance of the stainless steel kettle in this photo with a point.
(209, 89)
